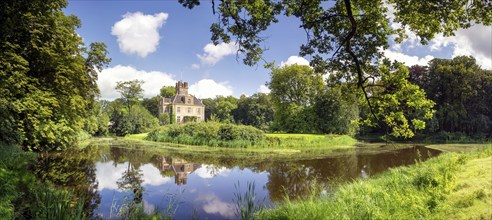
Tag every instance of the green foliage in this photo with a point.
(164, 118)
(131, 92)
(97, 122)
(168, 91)
(139, 120)
(208, 133)
(246, 204)
(411, 192)
(256, 111)
(294, 89)
(399, 105)
(47, 76)
(345, 38)
(335, 113)
(461, 90)
(56, 204)
(152, 105)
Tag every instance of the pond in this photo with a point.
(108, 177)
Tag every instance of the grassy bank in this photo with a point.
(450, 186)
(229, 135)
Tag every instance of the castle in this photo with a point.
(183, 106)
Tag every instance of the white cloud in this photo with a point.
(208, 171)
(215, 53)
(475, 41)
(407, 59)
(138, 33)
(195, 66)
(263, 89)
(153, 80)
(208, 88)
(295, 60)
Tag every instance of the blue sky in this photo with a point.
(160, 42)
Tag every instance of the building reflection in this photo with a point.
(176, 167)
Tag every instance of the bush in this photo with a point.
(209, 133)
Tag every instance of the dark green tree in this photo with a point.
(47, 76)
(152, 105)
(256, 110)
(461, 90)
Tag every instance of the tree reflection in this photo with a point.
(73, 170)
(132, 180)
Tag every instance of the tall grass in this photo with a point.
(246, 205)
(415, 192)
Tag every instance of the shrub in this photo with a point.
(208, 133)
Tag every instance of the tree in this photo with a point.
(336, 110)
(152, 105)
(47, 76)
(224, 108)
(461, 90)
(294, 89)
(256, 110)
(344, 37)
(401, 105)
(168, 91)
(131, 92)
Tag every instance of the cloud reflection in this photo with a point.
(208, 171)
(107, 174)
(214, 205)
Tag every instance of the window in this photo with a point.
(178, 119)
(189, 101)
(199, 110)
(198, 119)
(189, 109)
(178, 109)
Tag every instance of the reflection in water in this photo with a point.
(103, 175)
(296, 178)
(176, 167)
(72, 170)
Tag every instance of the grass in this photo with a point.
(450, 186)
(312, 140)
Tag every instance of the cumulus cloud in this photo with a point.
(295, 60)
(153, 80)
(138, 33)
(208, 88)
(407, 59)
(475, 41)
(214, 53)
(263, 89)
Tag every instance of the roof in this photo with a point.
(179, 99)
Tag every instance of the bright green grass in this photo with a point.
(137, 136)
(312, 140)
(456, 185)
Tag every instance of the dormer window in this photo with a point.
(189, 101)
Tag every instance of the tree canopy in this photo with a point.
(346, 37)
(47, 75)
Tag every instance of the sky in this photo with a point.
(161, 42)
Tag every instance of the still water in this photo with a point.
(189, 187)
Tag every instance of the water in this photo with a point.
(185, 187)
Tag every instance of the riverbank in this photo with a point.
(453, 185)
